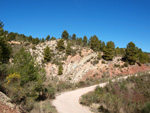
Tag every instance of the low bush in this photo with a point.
(126, 64)
(103, 62)
(128, 95)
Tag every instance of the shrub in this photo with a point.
(64, 85)
(130, 95)
(24, 83)
(60, 70)
(103, 62)
(33, 47)
(81, 84)
(116, 65)
(95, 62)
(99, 56)
(125, 64)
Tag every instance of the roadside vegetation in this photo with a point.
(123, 96)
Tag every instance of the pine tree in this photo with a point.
(42, 40)
(131, 53)
(79, 41)
(143, 57)
(60, 45)
(30, 38)
(5, 48)
(60, 70)
(65, 35)
(73, 37)
(99, 56)
(47, 54)
(85, 40)
(68, 49)
(48, 38)
(53, 38)
(117, 51)
(37, 40)
(109, 51)
(103, 46)
(94, 43)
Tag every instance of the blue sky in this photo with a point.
(120, 21)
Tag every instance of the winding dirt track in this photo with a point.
(68, 102)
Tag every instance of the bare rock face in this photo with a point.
(6, 106)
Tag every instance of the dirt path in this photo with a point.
(68, 102)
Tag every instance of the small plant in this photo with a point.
(125, 64)
(33, 47)
(103, 62)
(95, 62)
(60, 70)
(99, 56)
(116, 65)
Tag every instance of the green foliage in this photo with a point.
(25, 81)
(30, 38)
(146, 108)
(103, 62)
(48, 91)
(95, 62)
(48, 38)
(64, 85)
(73, 37)
(65, 35)
(47, 54)
(60, 70)
(103, 46)
(94, 43)
(125, 64)
(85, 40)
(68, 49)
(143, 57)
(53, 38)
(130, 95)
(119, 52)
(42, 40)
(35, 40)
(24, 65)
(109, 51)
(99, 56)
(131, 53)
(5, 48)
(79, 41)
(60, 45)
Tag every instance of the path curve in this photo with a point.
(68, 102)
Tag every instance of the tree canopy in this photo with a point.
(48, 38)
(109, 51)
(73, 37)
(60, 45)
(65, 35)
(47, 54)
(94, 43)
(85, 40)
(131, 53)
(5, 48)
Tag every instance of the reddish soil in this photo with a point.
(6, 109)
(113, 71)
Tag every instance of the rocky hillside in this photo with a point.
(83, 65)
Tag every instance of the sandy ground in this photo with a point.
(68, 102)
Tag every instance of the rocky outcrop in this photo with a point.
(83, 65)
(6, 106)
